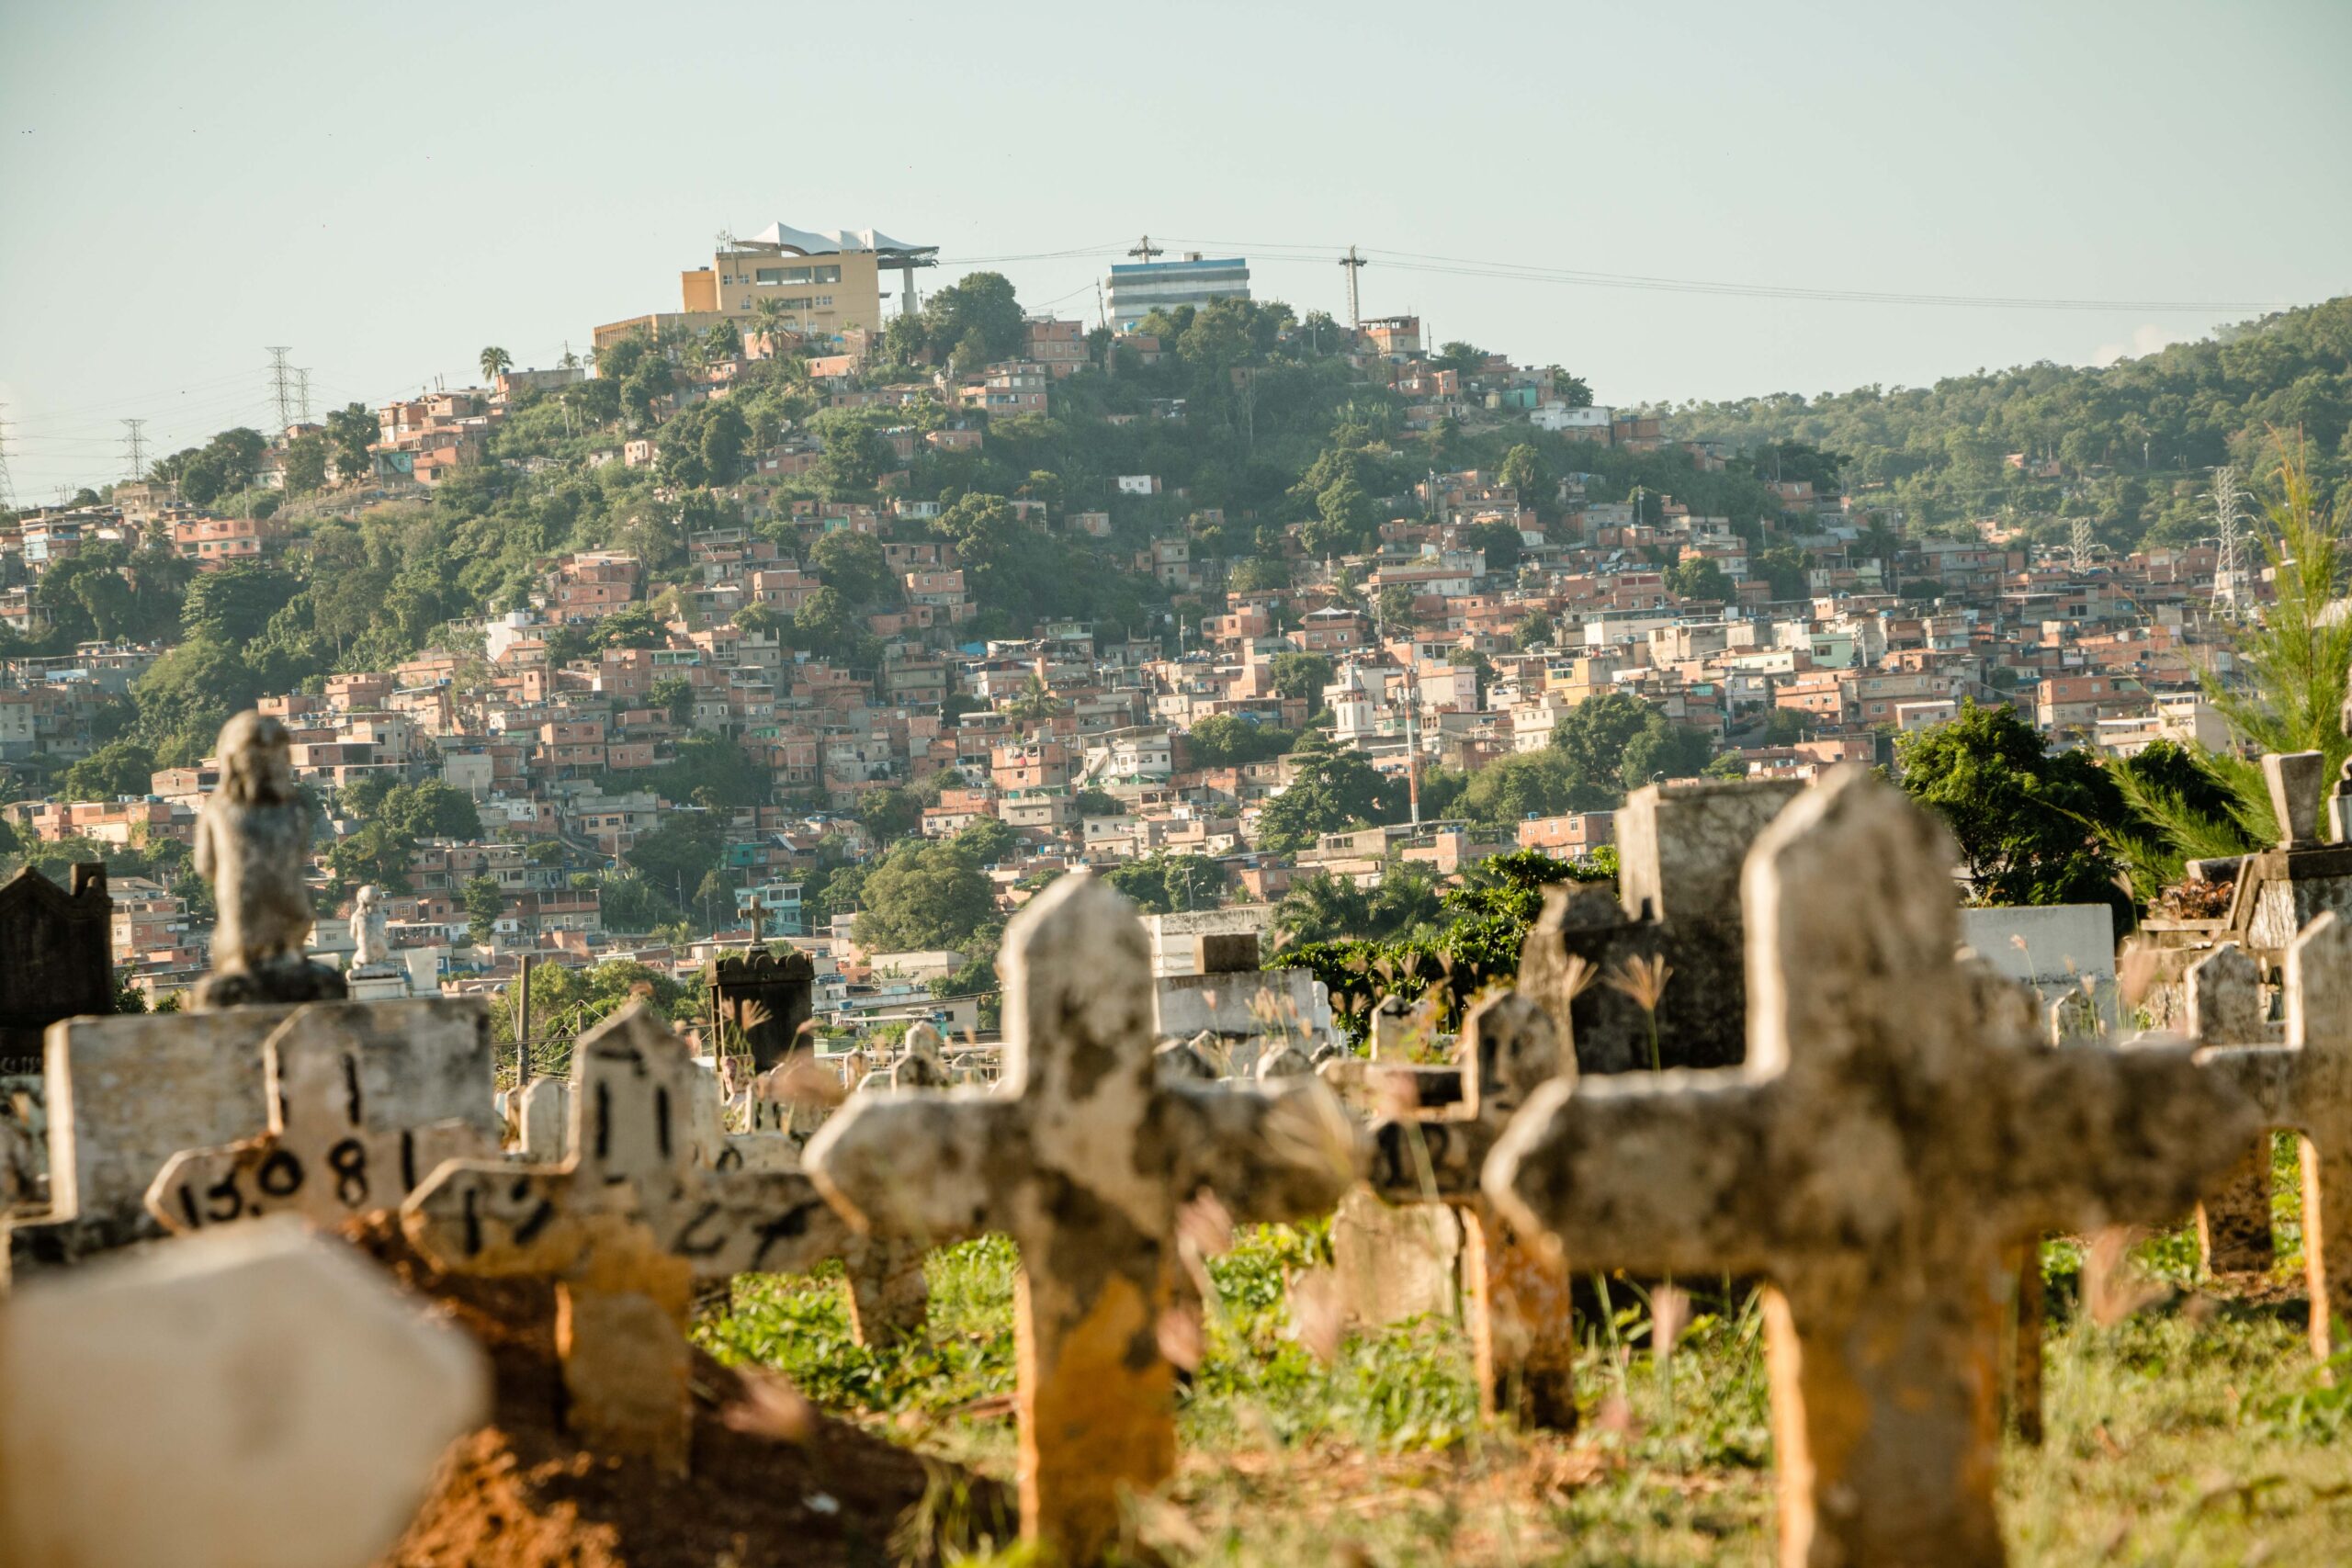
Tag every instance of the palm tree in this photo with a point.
(495, 360)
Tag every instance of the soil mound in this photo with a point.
(774, 1481)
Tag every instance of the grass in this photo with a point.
(2193, 1432)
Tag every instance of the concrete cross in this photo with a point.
(338, 1143)
(2225, 1008)
(1084, 1156)
(626, 1226)
(1877, 1155)
(2305, 1085)
(1520, 1324)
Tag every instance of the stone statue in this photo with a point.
(371, 944)
(252, 838)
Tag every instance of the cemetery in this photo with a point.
(1777, 1211)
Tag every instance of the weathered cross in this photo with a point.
(1874, 1159)
(625, 1225)
(338, 1144)
(1085, 1159)
(2305, 1084)
(1520, 1324)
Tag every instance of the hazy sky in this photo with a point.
(182, 185)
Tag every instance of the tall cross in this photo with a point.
(337, 1145)
(1085, 1158)
(1877, 1153)
(625, 1225)
(1521, 1329)
(2305, 1085)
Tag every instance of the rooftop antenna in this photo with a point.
(1356, 264)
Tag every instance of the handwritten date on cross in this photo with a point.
(625, 1225)
(1085, 1158)
(1878, 1150)
(333, 1149)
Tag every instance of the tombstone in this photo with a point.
(56, 959)
(1179, 1061)
(625, 1226)
(126, 1094)
(340, 1142)
(1085, 1159)
(2225, 1008)
(1873, 1160)
(2061, 950)
(1679, 848)
(254, 1398)
(1522, 1332)
(253, 842)
(2304, 1086)
(1390, 1018)
(921, 1065)
(2293, 779)
(545, 1119)
(1284, 1060)
(1395, 1263)
(2073, 1019)
(765, 997)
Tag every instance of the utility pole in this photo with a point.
(2227, 564)
(1146, 249)
(1412, 731)
(134, 446)
(1354, 264)
(281, 378)
(523, 1022)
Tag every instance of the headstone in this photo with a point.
(1085, 1159)
(2225, 1007)
(56, 959)
(127, 1093)
(1179, 1061)
(625, 1226)
(253, 840)
(1390, 1020)
(341, 1141)
(1229, 953)
(1679, 849)
(1395, 1263)
(1284, 1060)
(2061, 950)
(764, 998)
(256, 1398)
(2294, 780)
(1875, 1159)
(922, 1066)
(2305, 1085)
(546, 1119)
(1522, 1331)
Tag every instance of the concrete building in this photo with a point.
(821, 284)
(1137, 289)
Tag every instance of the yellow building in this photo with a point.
(821, 285)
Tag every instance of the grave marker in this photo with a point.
(1522, 1332)
(1085, 1158)
(338, 1144)
(764, 998)
(253, 843)
(2305, 1085)
(56, 959)
(2223, 991)
(254, 1398)
(625, 1226)
(1875, 1158)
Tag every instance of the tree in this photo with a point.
(306, 463)
(493, 361)
(1164, 883)
(853, 564)
(431, 809)
(1395, 605)
(1260, 574)
(1593, 736)
(2025, 821)
(1331, 791)
(351, 431)
(1663, 750)
(676, 855)
(1223, 740)
(1699, 578)
(979, 309)
(924, 896)
(232, 603)
(988, 842)
(483, 903)
(674, 695)
(1498, 541)
(724, 434)
(376, 854)
(1523, 469)
(116, 769)
(1302, 676)
(1344, 514)
(889, 813)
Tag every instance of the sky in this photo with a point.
(182, 186)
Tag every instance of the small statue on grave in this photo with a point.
(251, 841)
(371, 942)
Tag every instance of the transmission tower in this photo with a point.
(281, 379)
(134, 446)
(1356, 264)
(2081, 541)
(1146, 249)
(303, 393)
(8, 491)
(2227, 523)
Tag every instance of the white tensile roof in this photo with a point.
(810, 243)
